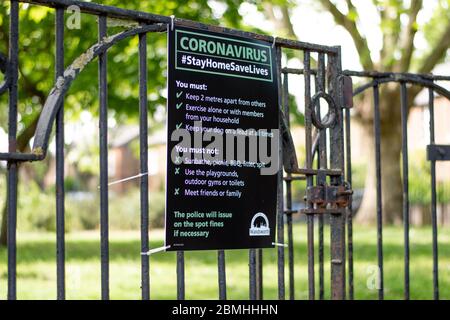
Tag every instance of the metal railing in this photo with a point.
(427, 81)
(327, 168)
(53, 112)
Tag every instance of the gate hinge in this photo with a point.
(322, 196)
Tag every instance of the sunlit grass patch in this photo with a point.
(36, 266)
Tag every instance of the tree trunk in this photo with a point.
(390, 144)
(3, 230)
(22, 146)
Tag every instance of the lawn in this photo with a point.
(37, 269)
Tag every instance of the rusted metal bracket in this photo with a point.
(323, 211)
(329, 195)
(347, 91)
(315, 172)
(328, 199)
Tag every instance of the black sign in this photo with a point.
(223, 149)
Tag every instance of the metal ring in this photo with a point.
(329, 119)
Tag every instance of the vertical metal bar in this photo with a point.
(309, 178)
(290, 242)
(280, 204)
(143, 150)
(351, 292)
(103, 124)
(341, 160)
(377, 134)
(60, 216)
(310, 236)
(259, 274)
(222, 275)
(180, 276)
(12, 166)
(252, 274)
(322, 164)
(404, 116)
(289, 197)
(321, 258)
(433, 201)
(337, 219)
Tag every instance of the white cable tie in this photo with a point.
(172, 18)
(274, 40)
(279, 244)
(127, 179)
(156, 250)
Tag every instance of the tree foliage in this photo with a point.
(37, 56)
(413, 36)
(37, 48)
(399, 24)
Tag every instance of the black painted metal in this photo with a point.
(433, 201)
(51, 109)
(222, 275)
(259, 274)
(309, 178)
(405, 167)
(59, 134)
(337, 218)
(289, 212)
(252, 274)
(322, 164)
(280, 202)
(180, 276)
(349, 217)
(12, 165)
(422, 80)
(103, 124)
(376, 128)
(438, 152)
(143, 150)
(334, 168)
(434, 153)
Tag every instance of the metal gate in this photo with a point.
(327, 169)
(435, 152)
(327, 190)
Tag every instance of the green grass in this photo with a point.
(36, 270)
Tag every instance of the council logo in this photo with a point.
(259, 225)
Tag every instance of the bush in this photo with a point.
(125, 210)
(419, 180)
(36, 209)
